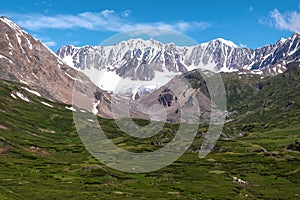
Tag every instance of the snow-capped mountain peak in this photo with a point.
(226, 42)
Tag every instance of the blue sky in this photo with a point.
(251, 23)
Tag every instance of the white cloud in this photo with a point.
(289, 21)
(50, 43)
(126, 13)
(106, 20)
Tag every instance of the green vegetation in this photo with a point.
(256, 104)
(42, 157)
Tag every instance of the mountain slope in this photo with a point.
(27, 60)
(256, 104)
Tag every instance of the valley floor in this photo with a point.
(42, 157)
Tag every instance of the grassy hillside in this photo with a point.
(256, 104)
(42, 157)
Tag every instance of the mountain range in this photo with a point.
(148, 69)
(145, 60)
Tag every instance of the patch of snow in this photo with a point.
(29, 43)
(60, 61)
(10, 24)
(13, 96)
(70, 76)
(83, 111)
(35, 76)
(24, 82)
(47, 104)
(293, 51)
(90, 120)
(71, 108)
(238, 180)
(32, 91)
(226, 69)
(112, 82)
(106, 80)
(69, 61)
(227, 42)
(259, 72)
(282, 40)
(94, 109)
(22, 96)
(20, 44)
(9, 60)
(9, 43)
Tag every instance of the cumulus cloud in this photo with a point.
(106, 20)
(289, 21)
